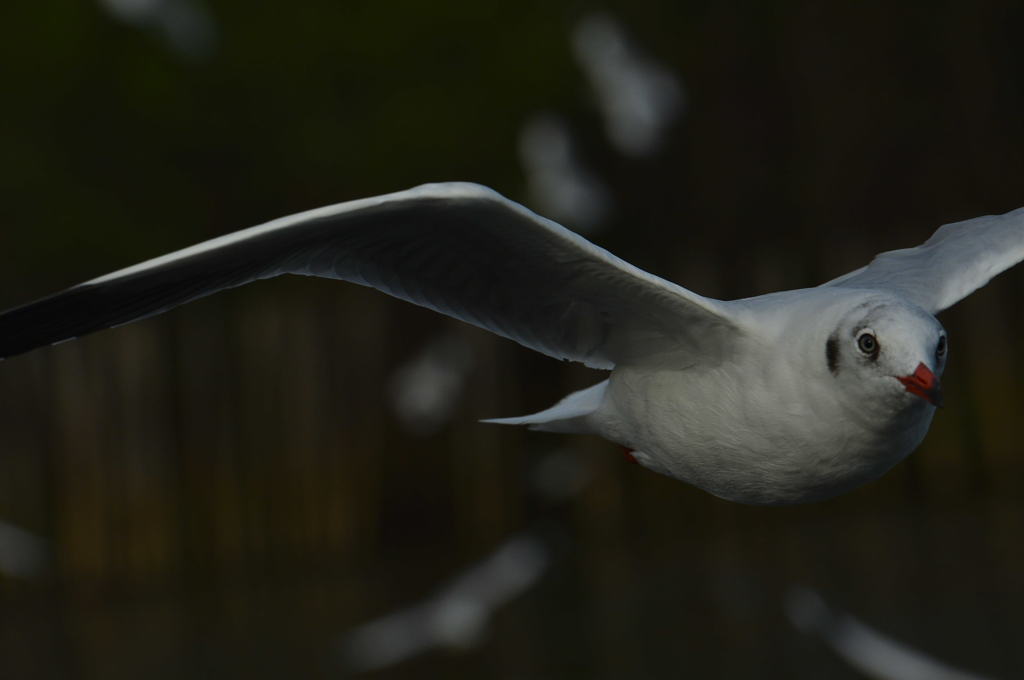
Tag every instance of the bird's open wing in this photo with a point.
(460, 249)
(957, 260)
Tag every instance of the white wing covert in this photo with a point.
(458, 248)
(957, 260)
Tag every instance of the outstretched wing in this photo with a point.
(957, 260)
(460, 249)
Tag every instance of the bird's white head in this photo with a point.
(888, 353)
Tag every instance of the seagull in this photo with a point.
(790, 397)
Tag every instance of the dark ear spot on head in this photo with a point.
(832, 354)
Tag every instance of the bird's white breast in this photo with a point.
(759, 432)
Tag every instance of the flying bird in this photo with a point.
(784, 398)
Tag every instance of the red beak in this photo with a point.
(924, 384)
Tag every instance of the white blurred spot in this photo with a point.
(863, 647)
(457, 616)
(22, 555)
(559, 185)
(639, 97)
(425, 390)
(186, 25)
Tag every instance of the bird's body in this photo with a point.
(784, 398)
(777, 431)
(763, 423)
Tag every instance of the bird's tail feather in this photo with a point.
(568, 415)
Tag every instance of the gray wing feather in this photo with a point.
(460, 249)
(957, 260)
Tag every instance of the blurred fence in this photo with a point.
(251, 439)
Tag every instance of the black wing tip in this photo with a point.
(49, 321)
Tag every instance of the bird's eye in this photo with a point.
(868, 343)
(940, 349)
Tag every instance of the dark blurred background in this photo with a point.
(242, 487)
